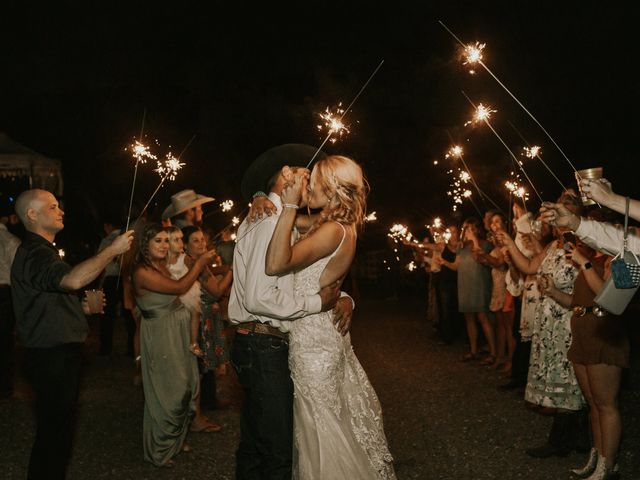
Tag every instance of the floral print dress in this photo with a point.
(552, 381)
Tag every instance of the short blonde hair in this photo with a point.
(342, 180)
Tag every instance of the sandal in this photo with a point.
(469, 357)
(208, 427)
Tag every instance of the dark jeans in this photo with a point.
(7, 342)
(54, 374)
(266, 426)
(520, 361)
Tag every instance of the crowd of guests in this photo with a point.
(530, 285)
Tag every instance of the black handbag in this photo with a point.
(624, 281)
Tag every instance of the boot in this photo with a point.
(603, 470)
(556, 443)
(590, 466)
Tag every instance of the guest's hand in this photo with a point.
(504, 238)
(598, 190)
(121, 244)
(574, 254)
(260, 206)
(558, 215)
(206, 257)
(343, 314)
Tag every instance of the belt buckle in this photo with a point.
(579, 310)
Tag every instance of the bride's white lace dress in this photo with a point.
(338, 431)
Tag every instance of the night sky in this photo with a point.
(242, 78)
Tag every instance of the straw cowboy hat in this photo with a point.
(264, 167)
(183, 201)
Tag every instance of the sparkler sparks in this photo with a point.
(532, 152)
(411, 266)
(473, 54)
(482, 114)
(227, 205)
(454, 152)
(371, 217)
(141, 152)
(332, 123)
(458, 190)
(170, 167)
(516, 190)
(235, 221)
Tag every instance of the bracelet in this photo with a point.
(290, 205)
(259, 194)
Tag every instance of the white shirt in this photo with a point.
(8, 245)
(256, 295)
(606, 238)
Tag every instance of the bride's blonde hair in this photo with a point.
(343, 182)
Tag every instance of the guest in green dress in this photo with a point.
(169, 370)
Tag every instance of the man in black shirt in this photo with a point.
(51, 325)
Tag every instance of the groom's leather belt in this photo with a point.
(259, 327)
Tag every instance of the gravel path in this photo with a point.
(444, 419)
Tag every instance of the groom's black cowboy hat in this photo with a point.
(264, 167)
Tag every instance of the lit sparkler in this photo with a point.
(411, 266)
(346, 110)
(141, 152)
(169, 169)
(61, 253)
(332, 122)
(227, 205)
(371, 217)
(235, 221)
(532, 152)
(475, 54)
(482, 114)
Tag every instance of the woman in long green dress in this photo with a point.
(169, 370)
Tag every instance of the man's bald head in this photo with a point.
(40, 213)
(29, 199)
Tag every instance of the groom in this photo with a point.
(262, 306)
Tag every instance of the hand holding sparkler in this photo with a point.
(558, 215)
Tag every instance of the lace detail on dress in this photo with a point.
(338, 429)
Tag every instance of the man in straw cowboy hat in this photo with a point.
(262, 306)
(186, 208)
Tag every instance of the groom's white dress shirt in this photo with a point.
(605, 237)
(256, 296)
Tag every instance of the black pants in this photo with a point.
(266, 426)
(7, 342)
(449, 322)
(54, 374)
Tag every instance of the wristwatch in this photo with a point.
(587, 266)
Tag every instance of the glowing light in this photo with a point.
(454, 152)
(332, 122)
(235, 221)
(61, 253)
(473, 53)
(532, 152)
(457, 190)
(411, 266)
(233, 236)
(141, 152)
(516, 189)
(226, 205)
(371, 217)
(447, 235)
(482, 114)
(398, 232)
(437, 222)
(169, 169)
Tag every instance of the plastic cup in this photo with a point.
(95, 300)
(591, 174)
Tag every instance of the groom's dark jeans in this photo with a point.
(266, 426)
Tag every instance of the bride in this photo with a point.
(338, 431)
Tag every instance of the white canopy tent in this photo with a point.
(19, 161)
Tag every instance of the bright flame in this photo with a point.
(226, 205)
(532, 152)
(332, 122)
(454, 152)
(61, 253)
(473, 53)
(170, 167)
(371, 217)
(141, 152)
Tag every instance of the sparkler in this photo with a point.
(346, 110)
(235, 221)
(332, 123)
(227, 205)
(167, 170)
(483, 114)
(456, 152)
(411, 266)
(474, 55)
(371, 217)
(536, 152)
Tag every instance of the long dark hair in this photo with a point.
(142, 256)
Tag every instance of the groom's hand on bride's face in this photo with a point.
(329, 296)
(342, 314)
(261, 206)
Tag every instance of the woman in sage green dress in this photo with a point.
(169, 370)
